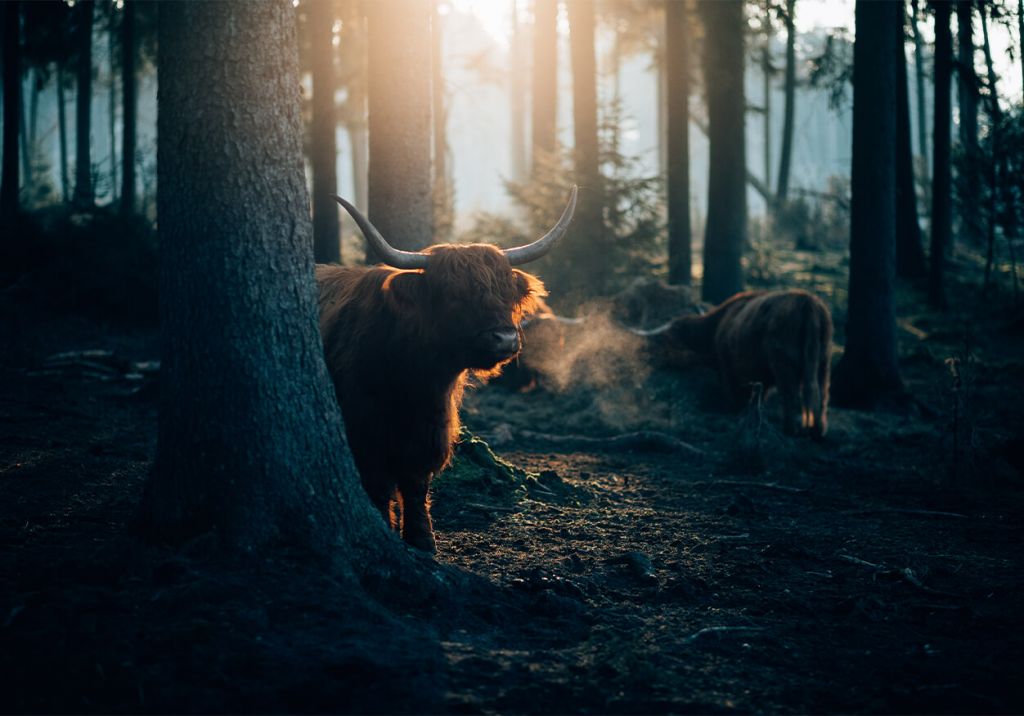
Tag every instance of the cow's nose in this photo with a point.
(503, 341)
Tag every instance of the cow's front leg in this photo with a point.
(382, 495)
(417, 529)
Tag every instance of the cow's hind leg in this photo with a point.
(417, 529)
(382, 495)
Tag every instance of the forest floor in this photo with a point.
(756, 572)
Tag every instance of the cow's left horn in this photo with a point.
(531, 252)
(387, 253)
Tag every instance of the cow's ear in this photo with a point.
(404, 288)
(530, 289)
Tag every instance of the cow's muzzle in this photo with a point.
(501, 343)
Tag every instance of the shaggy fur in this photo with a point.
(780, 339)
(399, 345)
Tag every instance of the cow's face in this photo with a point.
(468, 303)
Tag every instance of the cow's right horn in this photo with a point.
(387, 253)
(533, 251)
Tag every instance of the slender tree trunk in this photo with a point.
(62, 131)
(1020, 41)
(586, 239)
(129, 102)
(993, 93)
(661, 115)
(12, 109)
(32, 153)
(444, 214)
(910, 260)
(545, 78)
(967, 81)
(112, 115)
(789, 114)
(251, 444)
(400, 192)
(868, 368)
(922, 128)
(942, 218)
(766, 76)
(677, 64)
(726, 228)
(324, 160)
(27, 180)
(83, 106)
(517, 99)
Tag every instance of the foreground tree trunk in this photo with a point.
(83, 106)
(400, 193)
(129, 110)
(789, 115)
(910, 260)
(323, 149)
(942, 215)
(585, 242)
(677, 63)
(868, 369)
(545, 77)
(251, 444)
(12, 109)
(726, 227)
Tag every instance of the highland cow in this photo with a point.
(400, 340)
(779, 339)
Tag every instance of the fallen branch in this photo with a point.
(906, 574)
(641, 441)
(719, 631)
(749, 483)
(906, 511)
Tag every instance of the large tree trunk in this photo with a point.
(400, 193)
(677, 65)
(251, 444)
(62, 132)
(910, 260)
(942, 216)
(726, 228)
(83, 105)
(789, 115)
(545, 77)
(868, 369)
(12, 110)
(922, 128)
(129, 109)
(585, 243)
(324, 159)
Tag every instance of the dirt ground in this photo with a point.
(877, 571)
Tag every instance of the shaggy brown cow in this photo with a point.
(776, 338)
(400, 340)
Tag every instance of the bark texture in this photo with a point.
(942, 214)
(677, 61)
(545, 76)
(726, 226)
(323, 149)
(868, 369)
(251, 443)
(12, 109)
(83, 105)
(400, 194)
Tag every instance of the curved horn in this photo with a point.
(531, 252)
(388, 254)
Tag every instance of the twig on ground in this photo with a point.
(906, 511)
(641, 441)
(719, 631)
(748, 483)
(906, 574)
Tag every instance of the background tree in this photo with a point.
(400, 193)
(129, 101)
(726, 227)
(789, 113)
(251, 443)
(868, 368)
(922, 129)
(942, 216)
(12, 109)
(586, 238)
(910, 259)
(444, 195)
(517, 96)
(83, 17)
(545, 77)
(677, 62)
(967, 95)
(323, 149)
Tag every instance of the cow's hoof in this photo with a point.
(421, 540)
